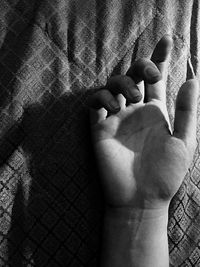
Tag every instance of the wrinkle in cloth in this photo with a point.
(52, 55)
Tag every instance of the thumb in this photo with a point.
(186, 111)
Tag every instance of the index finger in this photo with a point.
(161, 53)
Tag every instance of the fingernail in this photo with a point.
(152, 75)
(137, 98)
(114, 105)
(134, 96)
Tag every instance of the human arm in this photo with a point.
(135, 238)
(142, 163)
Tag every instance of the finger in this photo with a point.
(121, 100)
(96, 116)
(142, 90)
(144, 69)
(104, 99)
(161, 53)
(122, 84)
(186, 111)
(156, 91)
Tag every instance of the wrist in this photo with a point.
(132, 237)
(138, 222)
(132, 213)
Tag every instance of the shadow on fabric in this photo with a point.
(61, 222)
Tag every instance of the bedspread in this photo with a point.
(53, 53)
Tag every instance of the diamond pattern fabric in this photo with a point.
(53, 54)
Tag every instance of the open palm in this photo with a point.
(141, 160)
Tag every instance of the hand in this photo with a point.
(141, 160)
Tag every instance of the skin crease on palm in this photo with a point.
(143, 159)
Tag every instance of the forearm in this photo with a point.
(135, 238)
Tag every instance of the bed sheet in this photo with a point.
(53, 53)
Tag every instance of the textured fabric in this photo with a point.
(53, 53)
